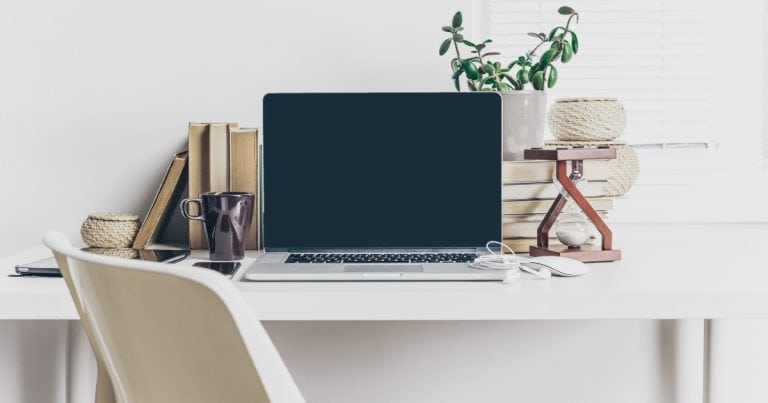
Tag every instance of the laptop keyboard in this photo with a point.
(381, 257)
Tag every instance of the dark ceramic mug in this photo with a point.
(226, 217)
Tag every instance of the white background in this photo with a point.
(94, 100)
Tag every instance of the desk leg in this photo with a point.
(708, 374)
(81, 365)
(736, 361)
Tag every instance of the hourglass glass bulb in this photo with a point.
(572, 229)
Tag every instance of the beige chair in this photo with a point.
(170, 333)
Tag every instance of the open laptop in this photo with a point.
(379, 186)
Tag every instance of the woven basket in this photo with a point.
(587, 119)
(110, 230)
(624, 169)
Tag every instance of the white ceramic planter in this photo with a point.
(524, 119)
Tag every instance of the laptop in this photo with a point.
(379, 186)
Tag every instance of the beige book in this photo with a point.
(244, 175)
(547, 190)
(514, 228)
(523, 245)
(541, 171)
(198, 179)
(208, 169)
(160, 210)
(218, 156)
(542, 206)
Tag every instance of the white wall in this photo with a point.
(95, 97)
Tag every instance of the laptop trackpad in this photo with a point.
(382, 268)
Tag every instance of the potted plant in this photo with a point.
(524, 109)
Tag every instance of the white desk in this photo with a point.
(667, 272)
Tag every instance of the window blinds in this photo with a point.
(656, 57)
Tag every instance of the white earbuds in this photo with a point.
(511, 276)
(509, 262)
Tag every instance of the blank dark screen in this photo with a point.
(387, 170)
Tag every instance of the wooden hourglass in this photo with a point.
(577, 155)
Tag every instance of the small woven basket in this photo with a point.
(110, 230)
(624, 169)
(587, 119)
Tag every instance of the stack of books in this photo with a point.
(529, 190)
(222, 157)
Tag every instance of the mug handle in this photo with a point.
(184, 207)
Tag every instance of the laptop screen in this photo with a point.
(381, 170)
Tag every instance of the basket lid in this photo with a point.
(114, 216)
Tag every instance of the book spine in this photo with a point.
(244, 174)
(261, 192)
(197, 171)
(218, 158)
(542, 171)
(547, 190)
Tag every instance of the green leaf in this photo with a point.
(552, 79)
(459, 29)
(567, 52)
(546, 58)
(514, 82)
(445, 46)
(538, 80)
(522, 76)
(491, 54)
(480, 46)
(553, 32)
(455, 64)
(457, 84)
(574, 43)
(457, 73)
(565, 10)
(458, 37)
(456, 20)
(471, 85)
(487, 41)
(471, 71)
(513, 64)
(448, 28)
(534, 35)
(488, 68)
(468, 43)
(533, 71)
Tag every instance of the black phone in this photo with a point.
(49, 268)
(225, 268)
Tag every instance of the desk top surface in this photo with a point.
(673, 271)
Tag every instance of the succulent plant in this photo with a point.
(483, 74)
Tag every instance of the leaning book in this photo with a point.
(161, 207)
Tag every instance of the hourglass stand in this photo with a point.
(561, 156)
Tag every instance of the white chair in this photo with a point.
(168, 333)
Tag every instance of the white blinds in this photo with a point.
(656, 57)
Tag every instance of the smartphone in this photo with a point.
(49, 268)
(225, 268)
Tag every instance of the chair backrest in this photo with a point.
(171, 333)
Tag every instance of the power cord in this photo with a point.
(506, 261)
